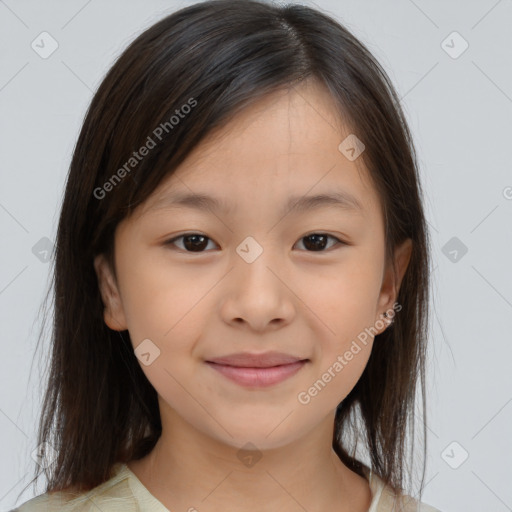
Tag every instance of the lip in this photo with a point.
(257, 370)
(254, 360)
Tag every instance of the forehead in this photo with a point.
(281, 148)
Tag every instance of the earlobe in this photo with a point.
(393, 279)
(113, 312)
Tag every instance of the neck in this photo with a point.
(188, 470)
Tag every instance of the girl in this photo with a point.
(241, 277)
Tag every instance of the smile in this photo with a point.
(258, 377)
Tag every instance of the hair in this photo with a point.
(220, 56)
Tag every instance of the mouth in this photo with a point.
(257, 370)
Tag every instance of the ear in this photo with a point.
(113, 313)
(393, 279)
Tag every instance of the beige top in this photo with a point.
(124, 492)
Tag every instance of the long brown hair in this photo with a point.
(219, 57)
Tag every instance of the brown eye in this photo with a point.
(197, 242)
(192, 242)
(316, 242)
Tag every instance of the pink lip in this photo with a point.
(258, 377)
(262, 360)
(257, 370)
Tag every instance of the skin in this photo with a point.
(292, 298)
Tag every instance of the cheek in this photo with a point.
(344, 298)
(344, 304)
(159, 300)
(163, 317)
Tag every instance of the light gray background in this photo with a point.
(459, 110)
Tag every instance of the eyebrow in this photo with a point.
(298, 204)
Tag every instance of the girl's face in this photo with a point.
(256, 276)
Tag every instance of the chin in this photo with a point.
(258, 437)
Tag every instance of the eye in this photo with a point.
(317, 241)
(193, 242)
(197, 242)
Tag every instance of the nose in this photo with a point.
(257, 292)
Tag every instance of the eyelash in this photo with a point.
(173, 240)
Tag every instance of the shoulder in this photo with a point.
(386, 500)
(114, 495)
